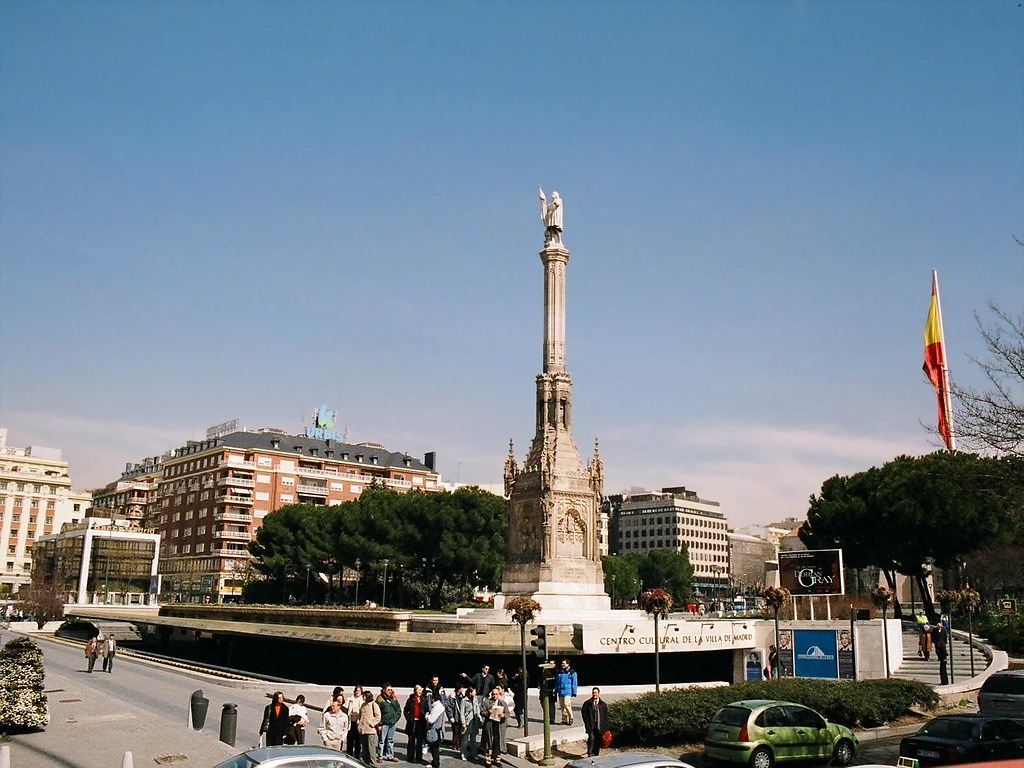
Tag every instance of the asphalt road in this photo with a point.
(878, 752)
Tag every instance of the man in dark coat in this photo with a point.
(483, 681)
(941, 653)
(595, 719)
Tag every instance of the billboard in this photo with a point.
(816, 653)
(812, 572)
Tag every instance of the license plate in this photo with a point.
(721, 734)
(927, 753)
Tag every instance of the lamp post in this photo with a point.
(613, 590)
(358, 563)
(658, 603)
(384, 594)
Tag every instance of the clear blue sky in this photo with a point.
(245, 209)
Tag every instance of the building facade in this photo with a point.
(101, 561)
(213, 494)
(753, 563)
(677, 519)
(132, 497)
(35, 500)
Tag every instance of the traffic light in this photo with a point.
(540, 641)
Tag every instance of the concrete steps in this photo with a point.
(916, 668)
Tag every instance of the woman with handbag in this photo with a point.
(435, 731)
(276, 721)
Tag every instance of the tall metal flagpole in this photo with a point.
(945, 367)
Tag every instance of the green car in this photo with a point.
(759, 732)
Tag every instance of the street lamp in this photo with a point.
(307, 585)
(358, 563)
(613, 590)
(384, 594)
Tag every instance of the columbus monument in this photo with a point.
(554, 498)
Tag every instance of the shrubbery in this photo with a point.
(682, 716)
(22, 701)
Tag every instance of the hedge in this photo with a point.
(682, 716)
(22, 701)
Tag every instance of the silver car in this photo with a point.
(628, 760)
(292, 757)
(1003, 695)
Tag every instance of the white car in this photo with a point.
(292, 756)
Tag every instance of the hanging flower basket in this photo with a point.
(948, 599)
(970, 600)
(775, 597)
(882, 597)
(656, 602)
(522, 609)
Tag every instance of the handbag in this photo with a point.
(606, 739)
(433, 736)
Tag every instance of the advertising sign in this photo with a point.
(845, 653)
(812, 572)
(785, 653)
(816, 653)
(1007, 607)
(754, 666)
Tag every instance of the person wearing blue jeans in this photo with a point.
(390, 714)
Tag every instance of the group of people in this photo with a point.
(100, 645)
(477, 714)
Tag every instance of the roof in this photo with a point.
(300, 445)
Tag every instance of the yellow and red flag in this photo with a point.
(935, 363)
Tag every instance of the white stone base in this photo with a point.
(551, 601)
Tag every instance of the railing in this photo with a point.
(231, 517)
(232, 499)
(229, 552)
(317, 490)
(398, 483)
(248, 464)
(242, 481)
(238, 535)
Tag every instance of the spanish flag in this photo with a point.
(935, 363)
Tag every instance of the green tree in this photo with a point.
(669, 570)
(621, 577)
(941, 506)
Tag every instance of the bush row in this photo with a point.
(682, 716)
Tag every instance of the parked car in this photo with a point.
(762, 732)
(952, 739)
(628, 760)
(292, 757)
(1002, 694)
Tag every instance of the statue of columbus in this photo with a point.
(551, 215)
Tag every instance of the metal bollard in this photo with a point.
(198, 706)
(228, 723)
(5, 757)
(127, 761)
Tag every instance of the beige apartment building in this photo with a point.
(213, 494)
(35, 499)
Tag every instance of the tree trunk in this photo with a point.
(927, 605)
(890, 577)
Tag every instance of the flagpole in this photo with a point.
(945, 367)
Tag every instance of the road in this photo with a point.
(142, 708)
(877, 752)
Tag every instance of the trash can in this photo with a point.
(228, 723)
(199, 705)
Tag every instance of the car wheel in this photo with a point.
(844, 752)
(762, 758)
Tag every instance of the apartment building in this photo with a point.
(35, 499)
(213, 494)
(130, 497)
(673, 518)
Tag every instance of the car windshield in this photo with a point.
(732, 716)
(948, 728)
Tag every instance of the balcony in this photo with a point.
(314, 472)
(229, 498)
(230, 552)
(240, 464)
(236, 535)
(393, 483)
(312, 490)
(232, 517)
(244, 482)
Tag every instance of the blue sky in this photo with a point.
(243, 210)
